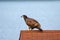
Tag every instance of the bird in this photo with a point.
(31, 23)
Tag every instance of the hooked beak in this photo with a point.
(21, 16)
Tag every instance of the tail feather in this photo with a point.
(40, 29)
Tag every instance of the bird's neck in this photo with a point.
(25, 19)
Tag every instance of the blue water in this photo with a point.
(45, 12)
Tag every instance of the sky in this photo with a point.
(47, 13)
(29, 0)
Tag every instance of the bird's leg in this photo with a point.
(32, 28)
(29, 29)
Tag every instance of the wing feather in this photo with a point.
(31, 22)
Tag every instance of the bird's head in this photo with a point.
(24, 16)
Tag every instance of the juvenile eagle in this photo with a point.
(31, 23)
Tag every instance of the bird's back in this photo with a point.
(31, 22)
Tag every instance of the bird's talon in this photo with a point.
(28, 30)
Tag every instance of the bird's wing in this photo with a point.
(31, 22)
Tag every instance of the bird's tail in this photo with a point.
(40, 29)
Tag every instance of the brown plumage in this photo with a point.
(31, 23)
